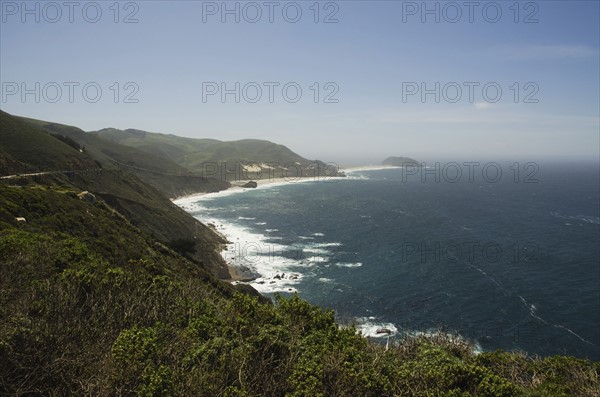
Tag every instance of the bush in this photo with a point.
(90, 305)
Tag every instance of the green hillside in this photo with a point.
(171, 178)
(117, 294)
(195, 154)
(31, 149)
(92, 305)
(23, 149)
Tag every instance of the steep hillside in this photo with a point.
(262, 159)
(72, 276)
(23, 149)
(29, 148)
(114, 294)
(169, 177)
(92, 305)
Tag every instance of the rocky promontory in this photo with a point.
(393, 161)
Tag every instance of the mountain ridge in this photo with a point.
(196, 153)
(27, 146)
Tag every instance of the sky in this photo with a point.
(345, 81)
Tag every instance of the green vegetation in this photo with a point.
(24, 150)
(203, 155)
(165, 175)
(27, 147)
(97, 299)
(89, 304)
(191, 153)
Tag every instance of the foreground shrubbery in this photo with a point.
(90, 305)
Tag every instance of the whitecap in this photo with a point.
(350, 265)
(317, 259)
(367, 327)
(330, 244)
(316, 250)
(352, 170)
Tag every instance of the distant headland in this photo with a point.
(393, 161)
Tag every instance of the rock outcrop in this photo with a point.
(250, 184)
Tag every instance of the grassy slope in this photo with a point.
(171, 178)
(72, 277)
(30, 151)
(29, 145)
(191, 153)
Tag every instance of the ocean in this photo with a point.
(506, 255)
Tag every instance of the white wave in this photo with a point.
(317, 259)
(245, 218)
(368, 328)
(280, 267)
(263, 183)
(358, 177)
(306, 238)
(278, 282)
(352, 170)
(316, 250)
(351, 265)
(318, 234)
(260, 223)
(325, 280)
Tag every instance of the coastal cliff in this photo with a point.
(107, 288)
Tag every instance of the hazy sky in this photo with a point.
(371, 61)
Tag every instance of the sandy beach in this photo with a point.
(270, 182)
(236, 187)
